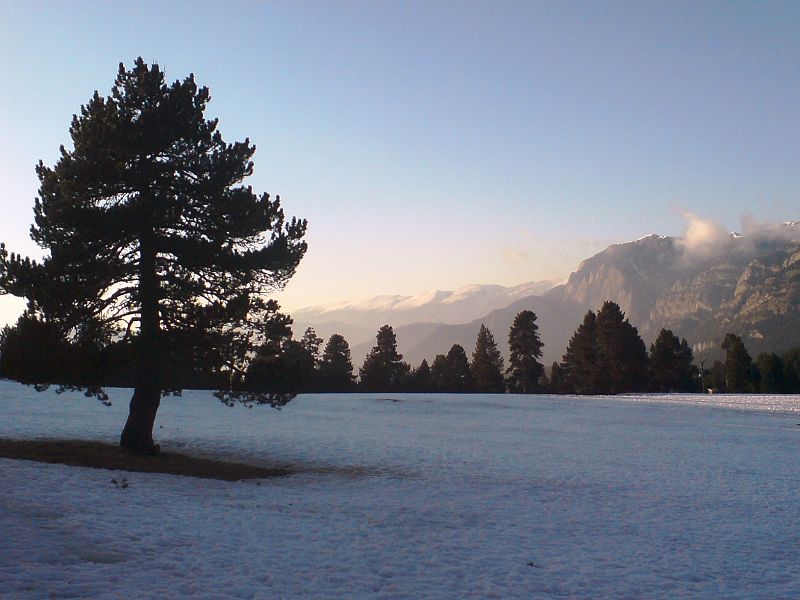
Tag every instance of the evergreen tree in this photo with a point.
(525, 350)
(622, 355)
(738, 365)
(771, 377)
(487, 364)
(384, 369)
(791, 370)
(671, 368)
(421, 378)
(440, 374)
(280, 371)
(579, 364)
(312, 344)
(34, 352)
(150, 232)
(716, 377)
(336, 367)
(459, 379)
(556, 379)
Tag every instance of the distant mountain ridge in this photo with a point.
(748, 284)
(358, 321)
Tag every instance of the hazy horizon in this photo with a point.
(437, 146)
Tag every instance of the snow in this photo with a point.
(415, 496)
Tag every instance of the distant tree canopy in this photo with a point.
(556, 384)
(440, 374)
(621, 353)
(459, 376)
(671, 368)
(384, 369)
(738, 365)
(336, 367)
(579, 373)
(525, 370)
(605, 355)
(772, 379)
(420, 380)
(151, 235)
(487, 364)
(35, 352)
(451, 373)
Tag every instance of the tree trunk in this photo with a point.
(138, 432)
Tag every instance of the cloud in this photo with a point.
(757, 230)
(703, 236)
(515, 256)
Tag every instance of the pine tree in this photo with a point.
(384, 369)
(487, 364)
(716, 377)
(525, 348)
(671, 368)
(622, 356)
(150, 233)
(281, 371)
(421, 378)
(556, 379)
(336, 367)
(791, 370)
(459, 379)
(738, 365)
(440, 374)
(579, 364)
(770, 370)
(34, 352)
(312, 344)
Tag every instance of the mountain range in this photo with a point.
(358, 321)
(700, 289)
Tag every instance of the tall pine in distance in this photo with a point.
(671, 368)
(739, 369)
(440, 374)
(579, 372)
(420, 380)
(487, 364)
(621, 352)
(459, 376)
(525, 351)
(336, 367)
(605, 355)
(151, 235)
(384, 369)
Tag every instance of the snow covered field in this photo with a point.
(415, 496)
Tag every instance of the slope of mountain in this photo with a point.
(752, 290)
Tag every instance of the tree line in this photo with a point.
(35, 352)
(605, 355)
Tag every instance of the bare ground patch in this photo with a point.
(101, 455)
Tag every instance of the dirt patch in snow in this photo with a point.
(99, 455)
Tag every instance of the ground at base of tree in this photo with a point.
(100, 455)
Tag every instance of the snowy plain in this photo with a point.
(415, 496)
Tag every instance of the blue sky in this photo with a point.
(438, 144)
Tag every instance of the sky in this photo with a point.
(433, 145)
